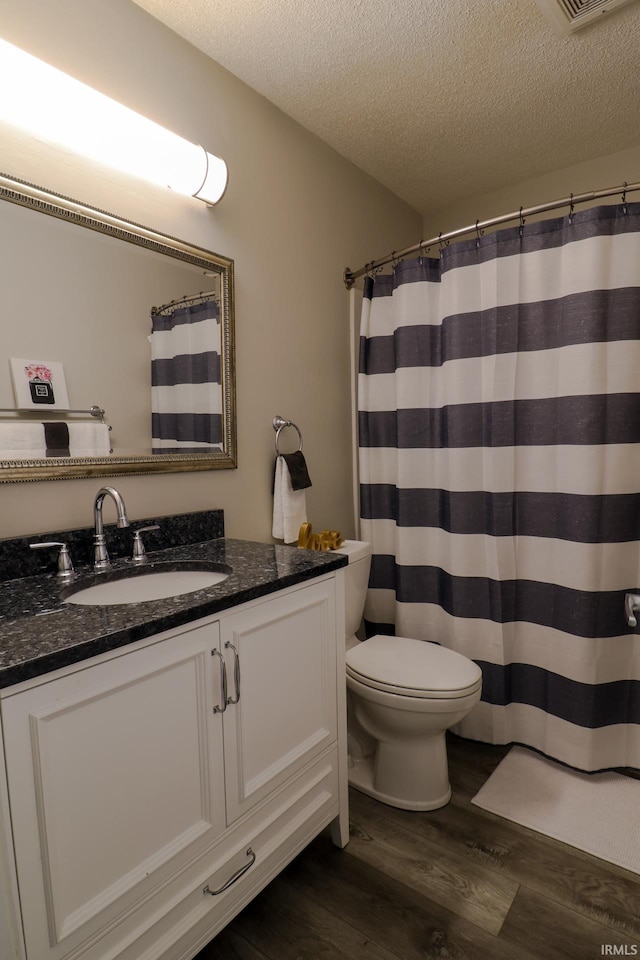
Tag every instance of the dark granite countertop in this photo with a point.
(39, 632)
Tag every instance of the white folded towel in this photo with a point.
(89, 439)
(22, 441)
(27, 441)
(289, 505)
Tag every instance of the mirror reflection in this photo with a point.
(186, 387)
(133, 323)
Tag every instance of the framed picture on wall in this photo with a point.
(39, 384)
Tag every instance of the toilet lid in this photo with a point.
(411, 667)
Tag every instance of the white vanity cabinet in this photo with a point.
(155, 789)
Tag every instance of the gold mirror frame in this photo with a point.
(38, 199)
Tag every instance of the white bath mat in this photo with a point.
(598, 813)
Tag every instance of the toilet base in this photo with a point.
(362, 775)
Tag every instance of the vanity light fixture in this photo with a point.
(52, 106)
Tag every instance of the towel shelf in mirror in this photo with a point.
(94, 411)
(53, 433)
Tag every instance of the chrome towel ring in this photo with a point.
(279, 424)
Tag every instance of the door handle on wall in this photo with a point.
(631, 606)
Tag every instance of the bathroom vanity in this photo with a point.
(162, 765)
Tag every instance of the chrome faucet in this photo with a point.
(100, 556)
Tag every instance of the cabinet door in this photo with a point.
(285, 714)
(115, 784)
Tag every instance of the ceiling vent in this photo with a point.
(567, 16)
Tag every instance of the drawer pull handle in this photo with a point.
(222, 706)
(236, 876)
(236, 673)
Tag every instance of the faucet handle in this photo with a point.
(65, 566)
(139, 552)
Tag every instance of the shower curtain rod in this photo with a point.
(203, 295)
(350, 276)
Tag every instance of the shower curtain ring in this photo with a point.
(624, 198)
(571, 209)
(479, 233)
(522, 222)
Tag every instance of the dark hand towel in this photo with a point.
(56, 438)
(297, 470)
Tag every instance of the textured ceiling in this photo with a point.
(436, 99)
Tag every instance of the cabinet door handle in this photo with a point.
(236, 876)
(236, 673)
(222, 706)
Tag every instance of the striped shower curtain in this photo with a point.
(499, 433)
(186, 392)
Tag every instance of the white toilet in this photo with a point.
(403, 695)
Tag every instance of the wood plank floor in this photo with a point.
(457, 883)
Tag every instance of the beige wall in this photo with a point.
(295, 214)
(606, 171)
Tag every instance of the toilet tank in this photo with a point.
(356, 581)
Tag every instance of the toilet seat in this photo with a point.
(412, 668)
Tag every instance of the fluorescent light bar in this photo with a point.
(54, 107)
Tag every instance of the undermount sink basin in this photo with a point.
(148, 583)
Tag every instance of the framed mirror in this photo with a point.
(116, 345)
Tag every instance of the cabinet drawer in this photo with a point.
(186, 917)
